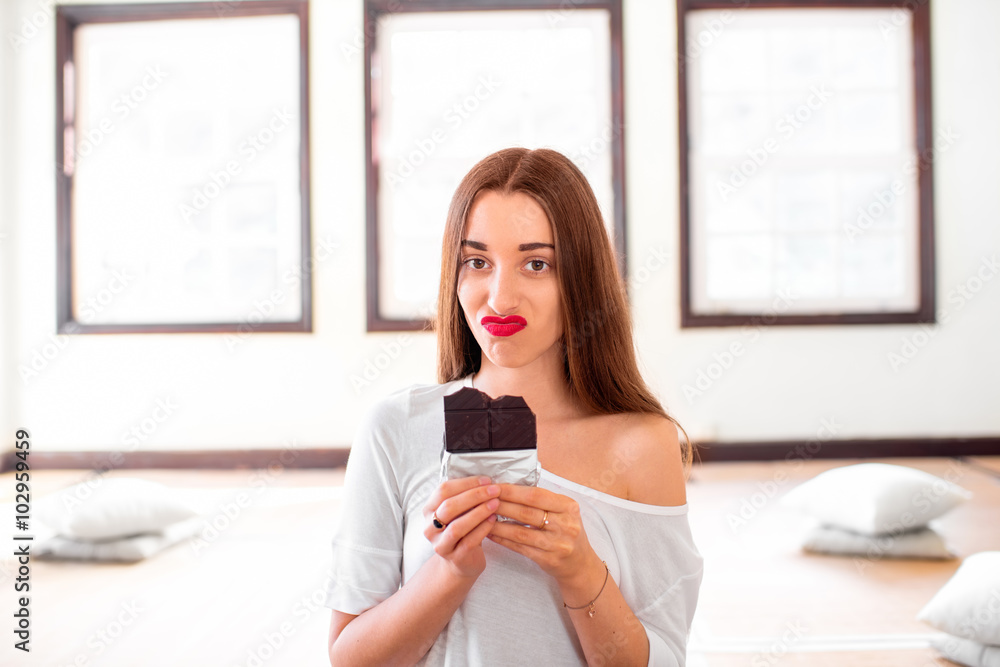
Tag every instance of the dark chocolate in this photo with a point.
(473, 422)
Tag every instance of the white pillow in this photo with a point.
(875, 498)
(920, 543)
(127, 549)
(966, 651)
(969, 604)
(106, 508)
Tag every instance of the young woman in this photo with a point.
(598, 566)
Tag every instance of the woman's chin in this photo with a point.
(511, 359)
(504, 359)
(505, 354)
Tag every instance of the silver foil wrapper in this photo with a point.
(511, 466)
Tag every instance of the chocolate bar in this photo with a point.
(473, 422)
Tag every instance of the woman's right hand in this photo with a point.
(466, 506)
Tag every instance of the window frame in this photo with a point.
(68, 19)
(925, 311)
(373, 11)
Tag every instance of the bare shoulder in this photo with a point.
(649, 447)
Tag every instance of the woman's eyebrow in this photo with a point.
(523, 247)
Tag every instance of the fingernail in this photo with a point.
(493, 504)
(483, 481)
(493, 490)
(493, 517)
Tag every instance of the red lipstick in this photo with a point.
(503, 326)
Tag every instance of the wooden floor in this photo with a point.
(253, 595)
(765, 602)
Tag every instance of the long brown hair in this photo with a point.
(598, 354)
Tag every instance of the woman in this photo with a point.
(598, 565)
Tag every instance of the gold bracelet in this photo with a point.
(591, 603)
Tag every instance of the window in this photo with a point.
(451, 82)
(806, 153)
(183, 184)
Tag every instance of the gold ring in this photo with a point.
(545, 519)
(437, 522)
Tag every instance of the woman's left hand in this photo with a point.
(560, 546)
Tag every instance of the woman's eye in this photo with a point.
(476, 262)
(538, 265)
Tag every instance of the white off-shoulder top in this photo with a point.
(513, 615)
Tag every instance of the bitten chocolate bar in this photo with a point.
(473, 422)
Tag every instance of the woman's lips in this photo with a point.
(503, 326)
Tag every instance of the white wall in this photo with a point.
(790, 379)
(6, 236)
(284, 388)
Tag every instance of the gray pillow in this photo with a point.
(125, 549)
(922, 543)
(966, 651)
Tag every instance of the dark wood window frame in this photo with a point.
(374, 10)
(68, 18)
(925, 312)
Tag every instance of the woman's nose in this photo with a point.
(504, 297)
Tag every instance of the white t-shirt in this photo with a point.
(513, 614)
